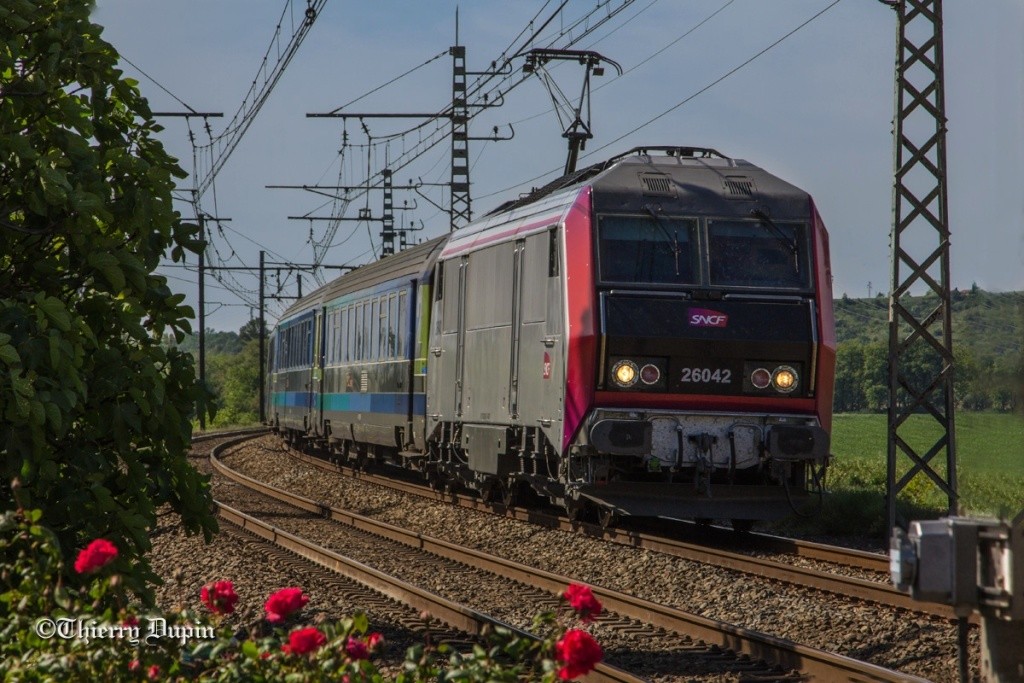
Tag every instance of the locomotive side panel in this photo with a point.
(444, 373)
(541, 367)
(487, 348)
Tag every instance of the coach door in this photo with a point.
(539, 374)
(444, 369)
(314, 402)
(517, 324)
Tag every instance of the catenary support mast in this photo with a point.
(920, 339)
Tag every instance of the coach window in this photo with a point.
(367, 322)
(350, 334)
(340, 352)
(374, 329)
(328, 337)
(357, 333)
(393, 325)
(343, 335)
(400, 327)
(337, 335)
(383, 328)
(289, 346)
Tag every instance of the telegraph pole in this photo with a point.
(200, 218)
(202, 316)
(261, 269)
(263, 345)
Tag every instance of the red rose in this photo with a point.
(96, 554)
(284, 602)
(578, 652)
(219, 597)
(134, 665)
(154, 672)
(583, 601)
(374, 641)
(304, 641)
(130, 621)
(357, 649)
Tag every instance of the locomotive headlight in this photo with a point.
(625, 373)
(784, 379)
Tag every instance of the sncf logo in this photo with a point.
(703, 317)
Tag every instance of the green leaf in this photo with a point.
(55, 311)
(250, 650)
(360, 623)
(54, 417)
(9, 355)
(110, 267)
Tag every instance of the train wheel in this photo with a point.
(576, 510)
(490, 492)
(433, 480)
(608, 518)
(510, 493)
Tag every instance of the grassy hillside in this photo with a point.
(989, 324)
(988, 340)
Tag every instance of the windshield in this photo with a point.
(647, 249)
(757, 254)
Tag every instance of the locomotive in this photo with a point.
(651, 335)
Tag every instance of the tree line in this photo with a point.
(862, 379)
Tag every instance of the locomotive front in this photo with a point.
(715, 342)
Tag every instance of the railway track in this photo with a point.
(793, 661)
(709, 545)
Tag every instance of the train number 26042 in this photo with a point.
(707, 375)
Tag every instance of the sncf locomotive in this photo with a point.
(651, 335)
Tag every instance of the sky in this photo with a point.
(816, 109)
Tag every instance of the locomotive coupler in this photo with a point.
(702, 478)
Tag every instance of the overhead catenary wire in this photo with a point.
(681, 103)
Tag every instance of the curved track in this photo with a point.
(788, 655)
(709, 545)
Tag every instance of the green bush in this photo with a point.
(95, 415)
(111, 639)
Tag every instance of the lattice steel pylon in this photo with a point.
(920, 340)
(387, 226)
(460, 202)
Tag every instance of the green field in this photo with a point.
(989, 444)
(990, 471)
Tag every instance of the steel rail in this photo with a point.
(810, 661)
(837, 584)
(451, 613)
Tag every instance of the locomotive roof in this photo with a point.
(678, 179)
(410, 264)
